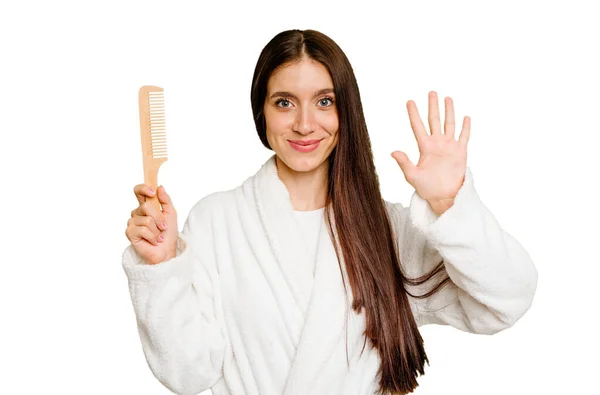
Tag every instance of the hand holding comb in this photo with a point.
(154, 135)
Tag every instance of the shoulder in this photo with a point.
(213, 203)
(393, 207)
(223, 203)
(401, 221)
(206, 216)
(396, 211)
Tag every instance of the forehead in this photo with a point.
(304, 75)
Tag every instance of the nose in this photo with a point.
(304, 122)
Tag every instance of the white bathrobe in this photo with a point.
(240, 311)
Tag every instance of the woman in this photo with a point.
(303, 280)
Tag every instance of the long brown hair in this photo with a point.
(366, 237)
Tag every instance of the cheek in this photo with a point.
(276, 123)
(336, 139)
(331, 123)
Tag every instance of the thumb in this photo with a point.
(165, 201)
(405, 164)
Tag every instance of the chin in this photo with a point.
(300, 162)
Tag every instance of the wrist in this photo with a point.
(439, 207)
(171, 255)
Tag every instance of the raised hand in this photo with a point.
(440, 172)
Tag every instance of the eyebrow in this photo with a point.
(289, 94)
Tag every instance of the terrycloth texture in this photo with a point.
(239, 310)
(309, 224)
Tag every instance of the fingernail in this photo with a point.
(160, 238)
(163, 225)
(152, 192)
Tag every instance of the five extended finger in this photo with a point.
(449, 123)
(434, 114)
(415, 121)
(466, 131)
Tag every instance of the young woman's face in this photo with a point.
(300, 109)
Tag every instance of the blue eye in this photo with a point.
(280, 101)
(288, 103)
(326, 98)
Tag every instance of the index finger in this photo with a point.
(415, 121)
(142, 191)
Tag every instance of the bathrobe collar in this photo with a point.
(321, 298)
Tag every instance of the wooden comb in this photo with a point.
(154, 135)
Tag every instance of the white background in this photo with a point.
(527, 73)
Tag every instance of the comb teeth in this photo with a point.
(158, 132)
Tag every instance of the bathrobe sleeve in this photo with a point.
(493, 279)
(177, 307)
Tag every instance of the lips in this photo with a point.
(304, 146)
(304, 142)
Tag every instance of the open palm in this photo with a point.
(440, 172)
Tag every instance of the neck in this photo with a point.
(308, 190)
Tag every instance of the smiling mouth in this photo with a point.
(307, 142)
(302, 146)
